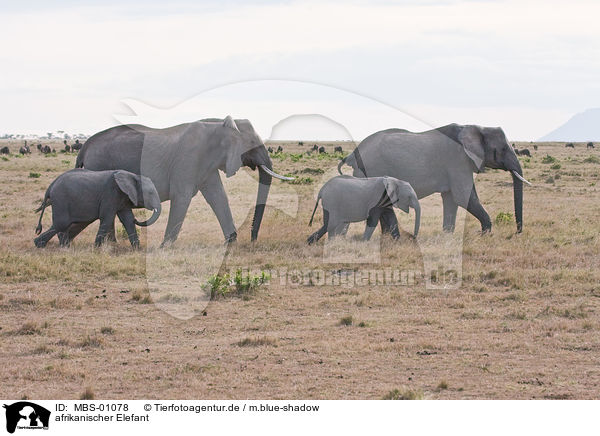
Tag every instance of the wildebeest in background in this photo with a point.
(45, 149)
(525, 152)
(315, 147)
(280, 149)
(76, 146)
(517, 151)
(67, 148)
(535, 147)
(25, 149)
(322, 149)
(4, 150)
(300, 143)
(338, 149)
(270, 149)
(590, 145)
(569, 145)
(39, 147)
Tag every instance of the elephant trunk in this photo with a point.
(517, 175)
(264, 185)
(155, 214)
(417, 207)
(518, 198)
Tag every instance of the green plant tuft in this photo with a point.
(503, 218)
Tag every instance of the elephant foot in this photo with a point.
(39, 243)
(167, 243)
(231, 238)
(313, 239)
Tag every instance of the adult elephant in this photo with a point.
(440, 160)
(183, 160)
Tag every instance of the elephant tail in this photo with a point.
(79, 160)
(341, 164)
(46, 202)
(314, 210)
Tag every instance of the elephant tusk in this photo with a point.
(274, 174)
(518, 176)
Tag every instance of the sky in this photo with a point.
(527, 66)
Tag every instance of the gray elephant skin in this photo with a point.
(347, 199)
(80, 197)
(440, 160)
(183, 160)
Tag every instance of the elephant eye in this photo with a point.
(495, 156)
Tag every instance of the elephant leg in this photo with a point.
(389, 222)
(215, 196)
(42, 240)
(126, 217)
(107, 223)
(336, 227)
(476, 209)
(74, 229)
(372, 221)
(111, 235)
(343, 229)
(179, 207)
(450, 209)
(319, 233)
(338, 230)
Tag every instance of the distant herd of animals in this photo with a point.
(315, 148)
(392, 168)
(45, 149)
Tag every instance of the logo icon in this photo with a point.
(26, 415)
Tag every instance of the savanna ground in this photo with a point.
(523, 324)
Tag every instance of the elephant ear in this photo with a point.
(391, 187)
(128, 184)
(229, 122)
(472, 141)
(234, 155)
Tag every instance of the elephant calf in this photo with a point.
(347, 199)
(80, 197)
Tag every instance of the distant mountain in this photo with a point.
(582, 127)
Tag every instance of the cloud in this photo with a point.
(533, 55)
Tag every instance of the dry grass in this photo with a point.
(524, 323)
(404, 394)
(88, 394)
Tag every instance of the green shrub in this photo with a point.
(404, 394)
(34, 175)
(346, 320)
(504, 218)
(313, 171)
(245, 284)
(556, 166)
(549, 159)
(241, 284)
(300, 180)
(592, 159)
(218, 285)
